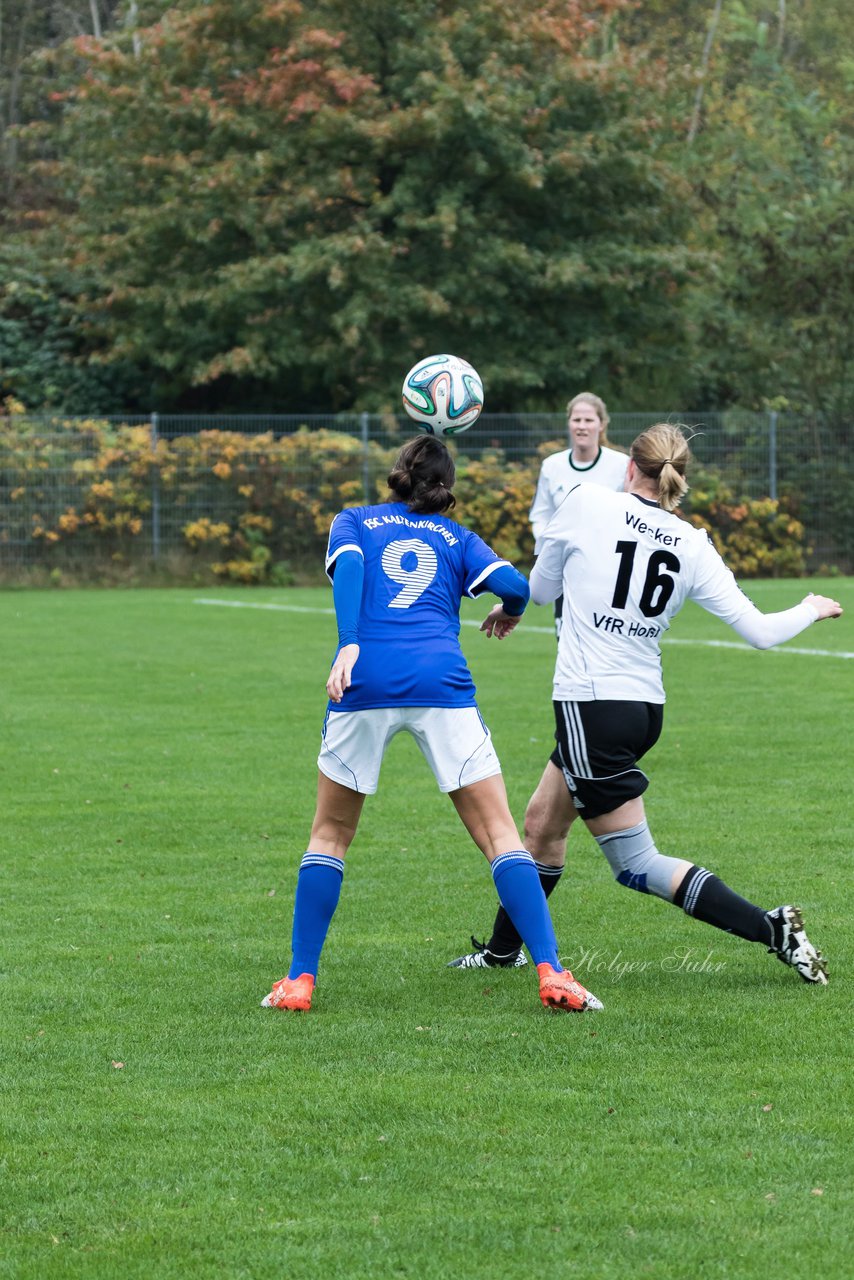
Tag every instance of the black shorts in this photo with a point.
(598, 747)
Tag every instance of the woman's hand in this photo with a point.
(498, 623)
(342, 671)
(824, 606)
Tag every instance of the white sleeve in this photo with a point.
(542, 508)
(546, 581)
(716, 590)
(764, 630)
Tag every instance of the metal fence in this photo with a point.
(45, 461)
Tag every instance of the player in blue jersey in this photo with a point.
(398, 572)
(626, 564)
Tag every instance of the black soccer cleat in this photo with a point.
(483, 958)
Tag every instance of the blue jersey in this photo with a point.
(417, 569)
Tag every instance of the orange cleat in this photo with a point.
(561, 991)
(291, 993)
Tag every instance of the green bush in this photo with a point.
(757, 537)
(72, 491)
(249, 506)
(82, 495)
(493, 498)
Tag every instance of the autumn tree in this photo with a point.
(27, 26)
(278, 205)
(46, 340)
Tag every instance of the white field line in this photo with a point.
(543, 631)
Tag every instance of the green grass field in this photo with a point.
(158, 783)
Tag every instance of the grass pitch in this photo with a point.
(158, 779)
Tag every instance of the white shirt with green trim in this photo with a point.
(559, 474)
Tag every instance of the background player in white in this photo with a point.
(626, 564)
(398, 572)
(588, 458)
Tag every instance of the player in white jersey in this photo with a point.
(399, 570)
(626, 564)
(588, 459)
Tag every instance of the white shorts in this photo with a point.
(454, 741)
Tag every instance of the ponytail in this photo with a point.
(423, 476)
(661, 453)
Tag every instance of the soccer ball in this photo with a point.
(443, 395)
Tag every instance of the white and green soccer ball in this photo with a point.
(443, 395)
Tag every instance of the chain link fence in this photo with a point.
(53, 471)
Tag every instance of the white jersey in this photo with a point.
(559, 474)
(625, 568)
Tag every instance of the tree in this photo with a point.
(29, 25)
(760, 126)
(771, 166)
(46, 347)
(284, 205)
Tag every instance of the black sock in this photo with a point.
(707, 898)
(505, 940)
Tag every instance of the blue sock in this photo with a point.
(318, 891)
(522, 897)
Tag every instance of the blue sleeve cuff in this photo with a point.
(511, 587)
(347, 580)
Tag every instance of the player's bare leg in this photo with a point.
(485, 813)
(336, 817)
(548, 818)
